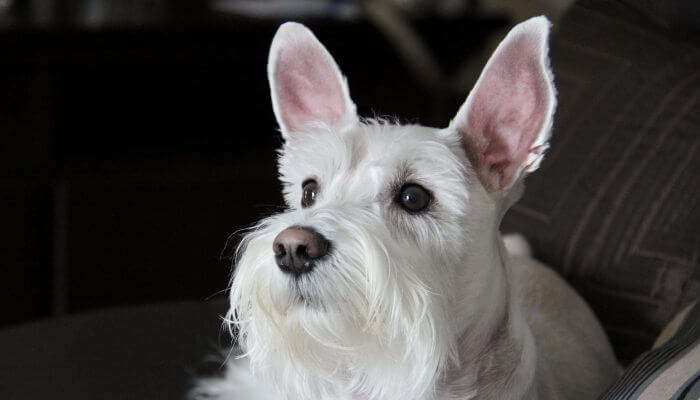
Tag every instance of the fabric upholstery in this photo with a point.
(670, 371)
(614, 206)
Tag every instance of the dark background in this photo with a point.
(133, 146)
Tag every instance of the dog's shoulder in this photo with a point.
(551, 306)
(569, 340)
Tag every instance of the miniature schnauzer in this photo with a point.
(387, 277)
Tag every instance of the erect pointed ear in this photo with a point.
(306, 84)
(506, 120)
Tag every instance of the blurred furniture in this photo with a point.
(146, 352)
(671, 370)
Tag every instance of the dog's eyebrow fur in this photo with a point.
(401, 221)
(402, 175)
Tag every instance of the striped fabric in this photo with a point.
(670, 371)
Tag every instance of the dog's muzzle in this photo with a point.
(297, 248)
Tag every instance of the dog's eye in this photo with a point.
(413, 198)
(309, 191)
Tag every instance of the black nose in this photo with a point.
(297, 247)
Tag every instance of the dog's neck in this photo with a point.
(496, 348)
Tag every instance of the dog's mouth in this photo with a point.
(302, 292)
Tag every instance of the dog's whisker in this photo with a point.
(222, 291)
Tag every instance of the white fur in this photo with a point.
(405, 306)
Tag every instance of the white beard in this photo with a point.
(372, 319)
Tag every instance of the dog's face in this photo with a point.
(367, 280)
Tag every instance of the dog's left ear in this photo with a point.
(506, 120)
(306, 84)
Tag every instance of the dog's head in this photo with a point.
(372, 273)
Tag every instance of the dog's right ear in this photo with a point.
(306, 84)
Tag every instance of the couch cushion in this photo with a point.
(670, 371)
(615, 205)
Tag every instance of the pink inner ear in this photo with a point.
(308, 87)
(508, 109)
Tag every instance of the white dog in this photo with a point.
(387, 277)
